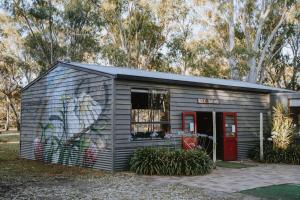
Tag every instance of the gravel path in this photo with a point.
(119, 186)
(235, 180)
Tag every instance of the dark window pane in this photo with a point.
(150, 113)
(160, 105)
(160, 100)
(295, 114)
(140, 99)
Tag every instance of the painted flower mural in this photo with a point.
(38, 149)
(72, 133)
(90, 155)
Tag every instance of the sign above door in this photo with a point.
(208, 101)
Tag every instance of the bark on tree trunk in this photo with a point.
(234, 73)
(7, 116)
(51, 33)
(184, 69)
(15, 113)
(252, 76)
(255, 68)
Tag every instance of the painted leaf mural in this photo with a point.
(71, 132)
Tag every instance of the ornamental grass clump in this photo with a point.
(281, 148)
(147, 161)
(282, 127)
(161, 161)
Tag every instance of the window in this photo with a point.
(295, 114)
(149, 113)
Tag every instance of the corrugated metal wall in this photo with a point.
(247, 105)
(66, 119)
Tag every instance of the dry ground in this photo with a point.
(24, 179)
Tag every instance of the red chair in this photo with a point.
(189, 142)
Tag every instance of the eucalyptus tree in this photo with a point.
(260, 22)
(17, 68)
(55, 29)
(283, 65)
(10, 85)
(40, 23)
(292, 42)
(225, 25)
(132, 35)
(182, 47)
(80, 27)
(248, 31)
(221, 46)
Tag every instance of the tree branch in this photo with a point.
(270, 38)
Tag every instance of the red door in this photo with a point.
(230, 135)
(189, 122)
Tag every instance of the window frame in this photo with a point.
(150, 91)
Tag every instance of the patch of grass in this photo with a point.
(12, 131)
(284, 191)
(9, 138)
(12, 166)
(233, 165)
(8, 152)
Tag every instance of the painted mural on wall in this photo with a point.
(71, 128)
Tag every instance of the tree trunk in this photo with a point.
(184, 69)
(7, 116)
(51, 33)
(252, 76)
(234, 74)
(256, 68)
(15, 113)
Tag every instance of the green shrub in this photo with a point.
(291, 155)
(147, 161)
(160, 161)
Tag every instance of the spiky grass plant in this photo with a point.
(282, 127)
(161, 161)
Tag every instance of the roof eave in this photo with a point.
(190, 83)
(157, 80)
(72, 66)
(68, 65)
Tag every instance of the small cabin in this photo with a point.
(96, 116)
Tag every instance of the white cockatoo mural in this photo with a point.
(72, 132)
(87, 110)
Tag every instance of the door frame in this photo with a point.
(234, 114)
(189, 113)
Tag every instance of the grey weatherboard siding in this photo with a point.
(79, 114)
(248, 105)
(66, 118)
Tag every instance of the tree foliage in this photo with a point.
(250, 40)
(133, 36)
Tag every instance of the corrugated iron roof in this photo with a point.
(137, 74)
